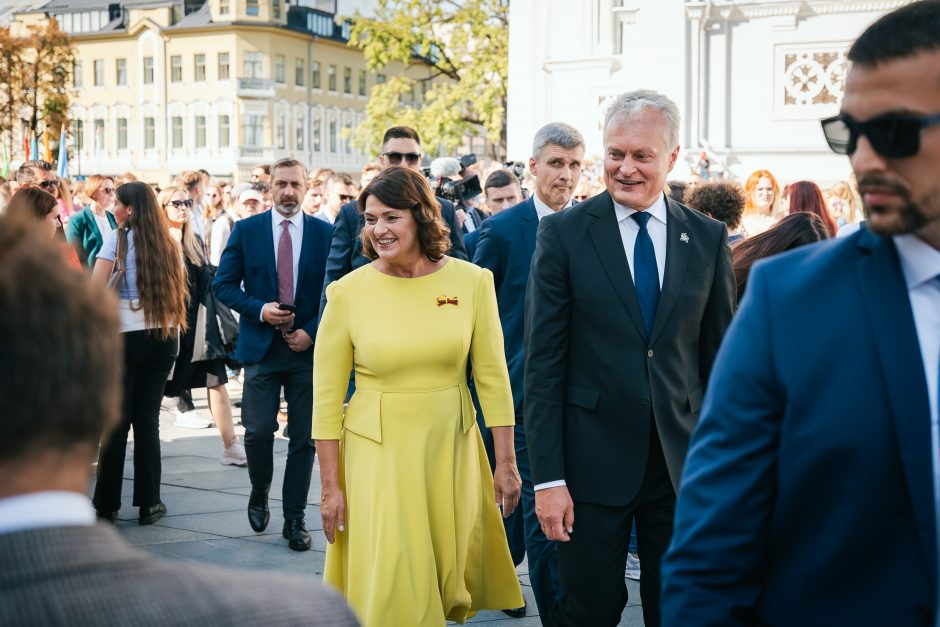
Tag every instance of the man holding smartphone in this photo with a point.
(270, 272)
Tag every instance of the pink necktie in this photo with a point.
(285, 269)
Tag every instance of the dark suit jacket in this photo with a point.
(505, 247)
(83, 233)
(63, 576)
(247, 279)
(475, 215)
(593, 381)
(346, 248)
(470, 243)
(813, 456)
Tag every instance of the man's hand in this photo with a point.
(298, 340)
(508, 486)
(332, 512)
(461, 215)
(555, 511)
(274, 316)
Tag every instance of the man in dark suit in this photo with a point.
(506, 245)
(271, 273)
(501, 191)
(60, 381)
(817, 450)
(629, 297)
(401, 146)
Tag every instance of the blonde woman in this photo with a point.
(152, 297)
(208, 369)
(88, 228)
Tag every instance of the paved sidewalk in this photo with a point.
(207, 520)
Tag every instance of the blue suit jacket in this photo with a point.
(247, 279)
(807, 496)
(470, 242)
(505, 247)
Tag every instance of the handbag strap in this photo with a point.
(120, 254)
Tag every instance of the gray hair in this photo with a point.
(558, 134)
(632, 104)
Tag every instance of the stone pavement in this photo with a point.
(206, 519)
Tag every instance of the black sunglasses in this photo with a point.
(346, 197)
(395, 157)
(182, 203)
(892, 135)
(48, 184)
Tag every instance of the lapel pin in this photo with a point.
(684, 238)
(446, 300)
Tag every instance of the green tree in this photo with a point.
(11, 97)
(48, 57)
(457, 55)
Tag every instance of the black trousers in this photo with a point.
(147, 363)
(281, 367)
(591, 566)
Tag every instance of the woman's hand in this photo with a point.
(333, 512)
(508, 486)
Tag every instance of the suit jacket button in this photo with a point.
(645, 402)
(649, 353)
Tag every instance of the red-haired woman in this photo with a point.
(805, 196)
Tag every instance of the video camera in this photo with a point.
(443, 170)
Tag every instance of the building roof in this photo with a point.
(89, 5)
(201, 17)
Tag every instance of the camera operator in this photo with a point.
(452, 180)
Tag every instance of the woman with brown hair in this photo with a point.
(36, 205)
(88, 228)
(805, 196)
(408, 503)
(152, 294)
(201, 366)
(795, 230)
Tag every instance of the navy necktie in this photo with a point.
(645, 272)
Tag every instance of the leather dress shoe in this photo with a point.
(296, 533)
(519, 612)
(258, 512)
(106, 517)
(152, 513)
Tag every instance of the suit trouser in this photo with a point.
(592, 563)
(281, 367)
(147, 363)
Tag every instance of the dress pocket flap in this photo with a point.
(468, 413)
(364, 414)
(582, 397)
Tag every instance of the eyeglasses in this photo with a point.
(182, 203)
(51, 184)
(346, 197)
(395, 157)
(892, 135)
(107, 190)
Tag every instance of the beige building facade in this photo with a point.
(162, 86)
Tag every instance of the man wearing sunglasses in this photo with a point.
(401, 146)
(339, 191)
(37, 173)
(818, 448)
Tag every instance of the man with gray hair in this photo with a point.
(628, 299)
(505, 247)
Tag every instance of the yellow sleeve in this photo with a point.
(487, 356)
(332, 362)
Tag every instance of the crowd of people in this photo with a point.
(591, 367)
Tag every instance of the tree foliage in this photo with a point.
(457, 57)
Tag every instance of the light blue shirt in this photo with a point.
(127, 290)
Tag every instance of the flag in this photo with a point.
(47, 154)
(33, 147)
(25, 147)
(5, 164)
(63, 170)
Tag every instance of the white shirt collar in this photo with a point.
(297, 219)
(541, 209)
(920, 261)
(657, 210)
(45, 509)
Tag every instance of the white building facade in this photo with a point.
(752, 78)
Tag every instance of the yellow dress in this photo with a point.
(424, 540)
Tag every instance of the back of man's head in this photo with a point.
(60, 375)
(25, 175)
(910, 30)
(722, 200)
(400, 132)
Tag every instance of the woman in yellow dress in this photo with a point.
(408, 504)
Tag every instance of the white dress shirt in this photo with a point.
(629, 229)
(45, 509)
(542, 210)
(296, 230)
(920, 263)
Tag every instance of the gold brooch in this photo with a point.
(446, 300)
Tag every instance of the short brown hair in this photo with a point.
(721, 200)
(339, 177)
(287, 163)
(190, 179)
(401, 188)
(60, 376)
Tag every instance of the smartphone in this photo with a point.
(286, 307)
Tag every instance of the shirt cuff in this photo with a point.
(550, 484)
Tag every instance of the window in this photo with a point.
(99, 72)
(200, 131)
(99, 135)
(379, 79)
(224, 7)
(254, 130)
(252, 7)
(279, 68)
(224, 133)
(348, 141)
(79, 135)
(315, 74)
(280, 136)
(331, 78)
(177, 126)
(223, 66)
(276, 9)
(199, 67)
(347, 80)
(120, 69)
(362, 82)
(299, 73)
(77, 74)
(176, 69)
(253, 65)
(332, 136)
(148, 70)
(315, 134)
(150, 134)
(122, 133)
(299, 135)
